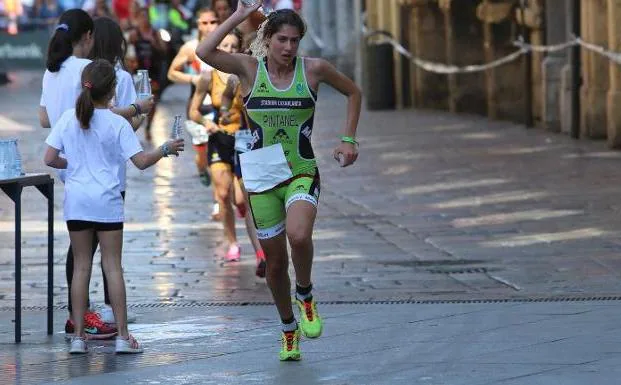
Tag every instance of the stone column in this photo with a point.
(358, 41)
(327, 25)
(393, 8)
(445, 6)
(310, 12)
(345, 44)
(595, 71)
(426, 38)
(614, 93)
(419, 74)
(566, 84)
(553, 64)
(413, 68)
(537, 37)
(490, 74)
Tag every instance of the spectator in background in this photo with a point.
(186, 68)
(150, 53)
(98, 8)
(178, 22)
(222, 8)
(195, 5)
(178, 15)
(46, 11)
(130, 10)
(122, 10)
(134, 10)
(70, 4)
(13, 10)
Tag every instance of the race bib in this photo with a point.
(265, 168)
(243, 140)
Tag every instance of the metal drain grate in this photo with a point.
(467, 270)
(353, 302)
(435, 262)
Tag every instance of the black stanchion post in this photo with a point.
(528, 71)
(575, 72)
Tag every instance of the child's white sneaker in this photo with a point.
(78, 346)
(127, 346)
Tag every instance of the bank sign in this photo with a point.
(26, 50)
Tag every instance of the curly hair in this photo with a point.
(275, 20)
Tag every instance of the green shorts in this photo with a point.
(269, 208)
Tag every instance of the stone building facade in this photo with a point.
(535, 87)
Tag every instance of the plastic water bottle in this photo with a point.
(17, 161)
(177, 129)
(10, 159)
(143, 88)
(4, 159)
(250, 3)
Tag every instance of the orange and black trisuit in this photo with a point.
(221, 146)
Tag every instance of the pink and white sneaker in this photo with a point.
(234, 253)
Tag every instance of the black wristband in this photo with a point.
(165, 150)
(137, 108)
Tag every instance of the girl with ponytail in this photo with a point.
(110, 44)
(97, 143)
(68, 51)
(71, 43)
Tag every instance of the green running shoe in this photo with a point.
(290, 350)
(310, 321)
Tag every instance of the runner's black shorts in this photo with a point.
(221, 149)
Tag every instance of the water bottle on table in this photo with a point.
(5, 161)
(10, 159)
(17, 161)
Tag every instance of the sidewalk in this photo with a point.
(438, 207)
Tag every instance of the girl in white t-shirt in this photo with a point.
(96, 143)
(66, 57)
(68, 49)
(110, 44)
